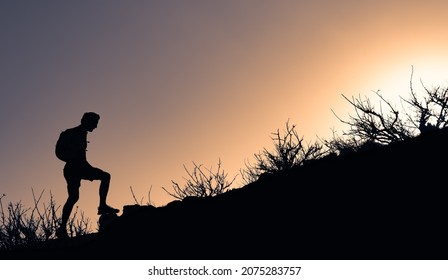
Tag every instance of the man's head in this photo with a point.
(90, 121)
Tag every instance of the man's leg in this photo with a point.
(104, 188)
(73, 197)
(104, 177)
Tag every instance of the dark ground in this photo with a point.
(385, 203)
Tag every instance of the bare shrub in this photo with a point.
(289, 151)
(381, 125)
(339, 145)
(201, 182)
(429, 112)
(22, 226)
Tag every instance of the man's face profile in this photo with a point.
(90, 124)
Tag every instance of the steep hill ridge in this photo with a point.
(385, 203)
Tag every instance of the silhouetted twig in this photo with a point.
(141, 200)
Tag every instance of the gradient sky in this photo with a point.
(185, 81)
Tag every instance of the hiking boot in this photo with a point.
(61, 233)
(106, 209)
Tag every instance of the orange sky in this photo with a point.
(183, 81)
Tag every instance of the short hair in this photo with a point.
(89, 117)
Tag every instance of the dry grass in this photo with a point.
(22, 226)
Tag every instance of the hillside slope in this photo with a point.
(387, 203)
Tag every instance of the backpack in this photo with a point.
(62, 146)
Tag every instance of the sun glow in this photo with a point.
(395, 83)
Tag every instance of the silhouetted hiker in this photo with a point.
(71, 148)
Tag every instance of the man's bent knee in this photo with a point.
(72, 199)
(105, 176)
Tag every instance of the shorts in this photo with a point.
(82, 171)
